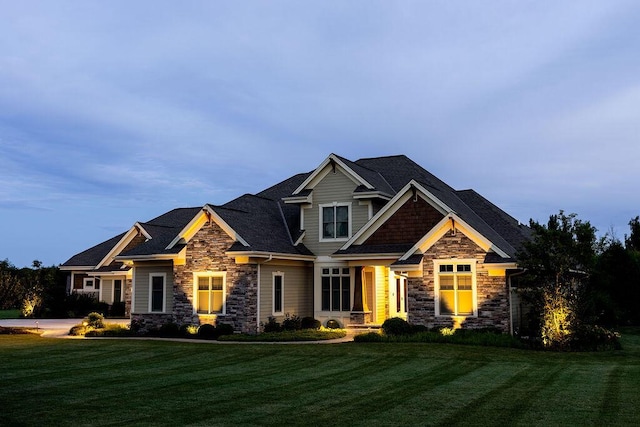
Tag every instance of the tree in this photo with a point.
(559, 259)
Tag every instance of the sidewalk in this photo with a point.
(52, 328)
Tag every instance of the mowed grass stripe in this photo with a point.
(131, 382)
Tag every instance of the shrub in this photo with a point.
(77, 330)
(333, 324)
(396, 326)
(369, 337)
(169, 329)
(291, 323)
(310, 323)
(594, 338)
(207, 332)
(188, 331)
(223, 329)
(272, 325)
(117, 309)
(110, 331)
(95, 320)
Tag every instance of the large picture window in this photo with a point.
(336, 289)
(455, 288)
(210, 293)
(335, 221)
(157, 292)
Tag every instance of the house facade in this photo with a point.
(353, 241)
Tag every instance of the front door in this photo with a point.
(398, 296)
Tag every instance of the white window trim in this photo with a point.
(198, 274)
(273, 293)
(340, 311)
(320, 224)
(164, 292)
(89, 279)
(436, 281)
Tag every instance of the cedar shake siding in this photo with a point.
(205, 253)
(492, 292)
(412, 221)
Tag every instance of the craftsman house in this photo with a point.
(357, 242)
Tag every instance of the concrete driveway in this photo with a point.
(51, 327)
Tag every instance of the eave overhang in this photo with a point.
(270, 255)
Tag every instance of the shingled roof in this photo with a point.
(267, 224)
(92, 256)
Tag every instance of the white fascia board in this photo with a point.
(296, 200)
(505, 265)
(321, 172)
(186, 228)
(126, 239)
(371, 195)
(155, 257)
(433, 233)
(76, 268)
(441, 228)
(271, 255)
(391, 207)
(207, 209)
(361, 257)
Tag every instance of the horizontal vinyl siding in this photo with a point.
(298, 291)
(142, 288)
(333, 188)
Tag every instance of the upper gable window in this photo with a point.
(335, 221)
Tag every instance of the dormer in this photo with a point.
(336, 200)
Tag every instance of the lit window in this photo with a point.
(278, 293)
(335, 221)
(157, 292)
(455, 288)
(210, 293)
(336, 289)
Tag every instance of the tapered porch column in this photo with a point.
(357, 291)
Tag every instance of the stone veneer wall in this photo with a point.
(128, 286)
(206, 252)
(492, 292)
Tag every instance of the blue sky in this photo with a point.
(116, 112)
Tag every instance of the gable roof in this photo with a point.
(265, 223)
(91, 257)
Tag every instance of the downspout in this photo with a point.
(518, 273)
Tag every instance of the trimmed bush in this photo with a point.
(369, 337)
(95, 320)
(188, 331)
(310, 323)
(169, 329)
(397, 326)
(223, 329)
(207, 332)
(272, 325)
(333, 324)
(291, 323)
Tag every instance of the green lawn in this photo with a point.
(135, 382)
(10, 314)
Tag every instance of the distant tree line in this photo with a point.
(40, 291)
(577, 284)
